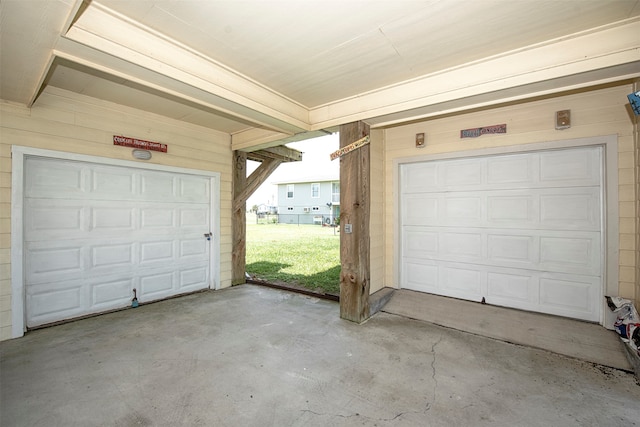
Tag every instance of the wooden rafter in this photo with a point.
(282, 153)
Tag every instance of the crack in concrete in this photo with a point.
(433, 374)
(332, 415)
(360, 415)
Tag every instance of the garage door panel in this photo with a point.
(570, 167)
(515, 210)
(193, 190)
(420, 243)
(116, 183)
(421, 276)
(420, 210)
(192, 278)
(68, 179)
(42, 217)
(190, 218)
(460, 173)
(464, 209)
(462, 246)
(571, 209)
(516, 169)
(113, 255)
(571, 296)
(579, 254)
(112, 219)
(156, 286)
(418, 177)
(47, 303)
(505, 249)
(157, 217)
(463, 280)
(193, 249)
(508, 287)
(546, 209)
(157, 251)
(551, 250)
(106, 230)
(111, 293)
(157, 187)
(526, 234)
(49, 260)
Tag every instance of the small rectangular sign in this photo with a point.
(125, 141)
(349, 148)
(476, 132)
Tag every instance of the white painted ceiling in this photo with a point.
(265, 70)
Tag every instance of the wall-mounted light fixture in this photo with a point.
(563, 119)
(141, 154)
(420, 140)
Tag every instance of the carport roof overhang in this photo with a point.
(101, 39)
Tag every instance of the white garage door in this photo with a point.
(520, 230)
(94, 232)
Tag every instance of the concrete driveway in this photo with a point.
(253, 356)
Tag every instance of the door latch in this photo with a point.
(208, 235)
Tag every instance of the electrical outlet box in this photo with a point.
(348, 229)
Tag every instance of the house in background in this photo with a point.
(267, 209)
(310, 201)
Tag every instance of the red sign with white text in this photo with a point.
(125, 141)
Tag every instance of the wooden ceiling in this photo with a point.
(268, 72)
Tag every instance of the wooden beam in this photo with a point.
(354, 214)
(253, 182)
(239, 220)
(243, 188)
(282, 153)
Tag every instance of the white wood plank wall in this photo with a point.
(65, 121)
(603, 111)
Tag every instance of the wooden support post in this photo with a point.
(239, 220)
(354, 214)
(243, 187)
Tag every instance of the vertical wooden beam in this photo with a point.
(243, 187)
(239, 220)
(354, 211)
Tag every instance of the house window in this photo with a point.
(289, 191)
(315, 190)
(335, 192)
(315, 208)
(290, 208)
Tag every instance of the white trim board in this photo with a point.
(20, 154)
(610, 213)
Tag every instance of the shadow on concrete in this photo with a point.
(272, 274)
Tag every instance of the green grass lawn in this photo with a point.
(305, 255)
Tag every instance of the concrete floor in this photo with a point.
(253, 356)
(574, 338)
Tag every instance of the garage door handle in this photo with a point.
(208, 235)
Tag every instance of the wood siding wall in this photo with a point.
(599, 112)
(635, 245)
(376, 220)
(64, 121)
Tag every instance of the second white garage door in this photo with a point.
(93, 233)
(520, 230)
